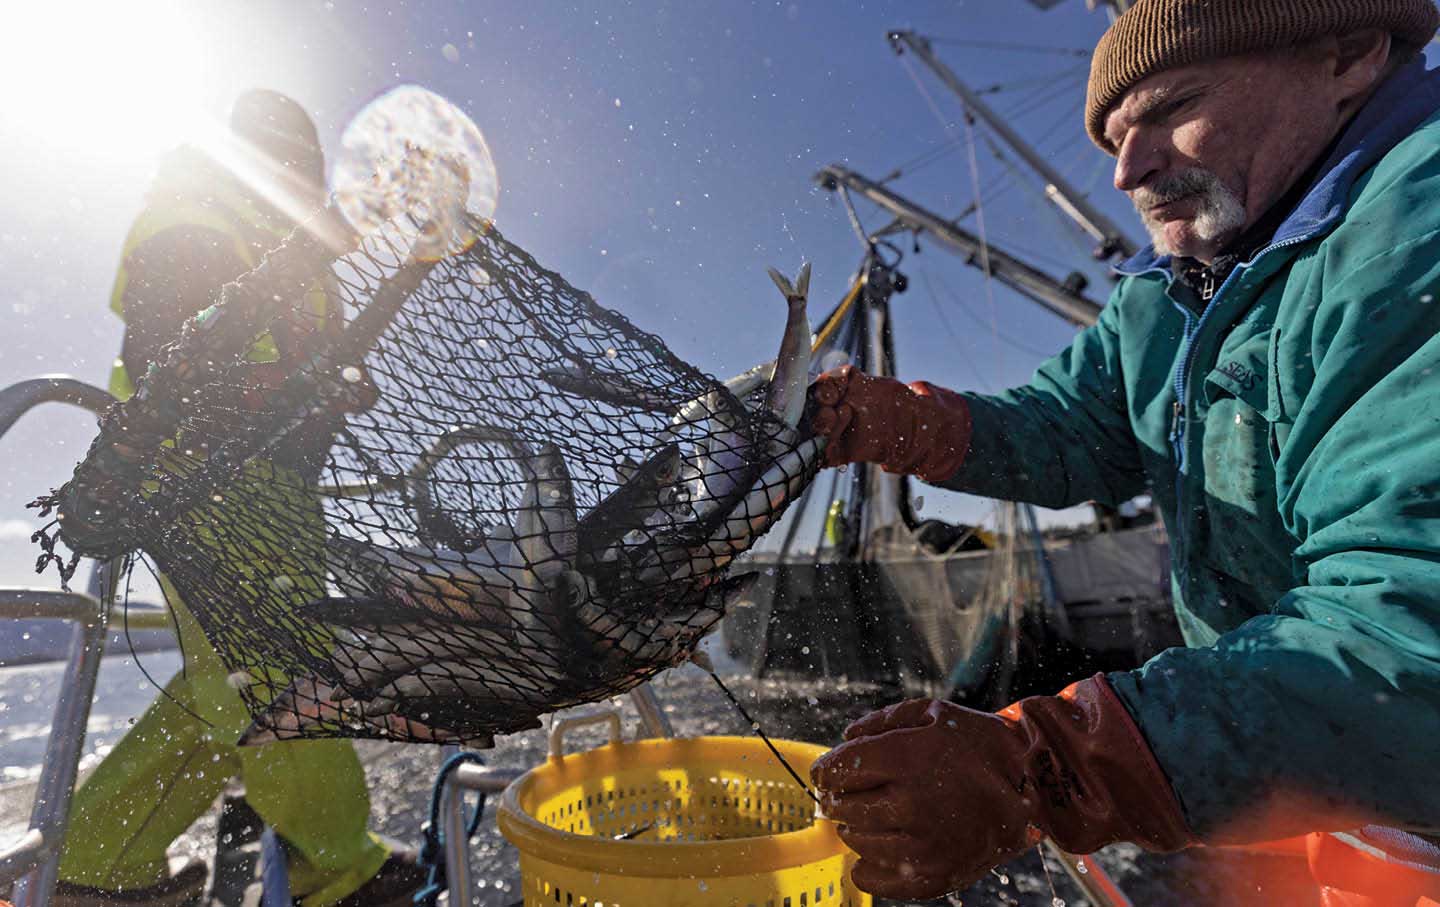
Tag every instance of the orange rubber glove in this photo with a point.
(933, 795)
(915, 429)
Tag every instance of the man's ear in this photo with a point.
(1360, 60)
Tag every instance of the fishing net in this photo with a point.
(484, 499)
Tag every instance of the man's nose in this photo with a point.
(1139, 159)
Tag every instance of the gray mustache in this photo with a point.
(1173, 188)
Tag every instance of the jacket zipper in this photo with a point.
(1193, 326)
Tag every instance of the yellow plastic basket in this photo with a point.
(698, 822)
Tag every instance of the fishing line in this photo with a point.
(755, 726)
(129, 569)
(1055, 899)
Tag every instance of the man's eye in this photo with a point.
(1175, 108)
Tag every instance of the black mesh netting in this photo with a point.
(483, 499)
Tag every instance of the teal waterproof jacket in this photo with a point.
(1289, 429)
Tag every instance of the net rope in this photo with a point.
(485, 499)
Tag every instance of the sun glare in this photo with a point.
(115, 81)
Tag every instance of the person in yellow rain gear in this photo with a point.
(204, 224)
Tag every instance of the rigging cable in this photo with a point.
(1071, 230)
(1006, 45)
(1042, 99)
(1036, 86)
(970, 313)
(974, 188)
(922, 160)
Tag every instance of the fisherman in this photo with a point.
(1269, 369)
(206, 223)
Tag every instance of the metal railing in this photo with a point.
(486, 780)
(31, 862)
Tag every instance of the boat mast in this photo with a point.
(1063, 298)
(1112, 240)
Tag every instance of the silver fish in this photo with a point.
(612, 389)
(786, 394)
(422, 581)
(646, 488)
(761, 506)
(519, 591)
(370, 662)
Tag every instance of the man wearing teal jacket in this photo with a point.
(1270, 370)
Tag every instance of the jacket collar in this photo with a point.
(1407, 99)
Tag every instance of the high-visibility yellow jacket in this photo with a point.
(194, 191)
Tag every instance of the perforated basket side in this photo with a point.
(710, 820)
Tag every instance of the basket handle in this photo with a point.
(557, 733)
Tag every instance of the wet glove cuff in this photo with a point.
(939, 434)
(1095, 780)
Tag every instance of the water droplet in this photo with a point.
(804, 650)
(451, 53)
(918, 504)
(217, 498)
(351, 374)
(1081, 867)
(239, 680)
(25, 635)
(703, 886)
(611, 352)
(1057, 902)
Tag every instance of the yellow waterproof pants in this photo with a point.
(172, 765)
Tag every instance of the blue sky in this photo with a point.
(659, 154)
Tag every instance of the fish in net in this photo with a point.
(487, 498)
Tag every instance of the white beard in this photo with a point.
(1221, 211)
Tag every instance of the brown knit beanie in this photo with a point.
(1155, 35)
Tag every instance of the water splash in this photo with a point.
(411, 151)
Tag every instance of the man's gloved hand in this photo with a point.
(933, 795)
(916, 429)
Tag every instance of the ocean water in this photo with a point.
(27, 706)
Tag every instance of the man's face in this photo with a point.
(1205, 150)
